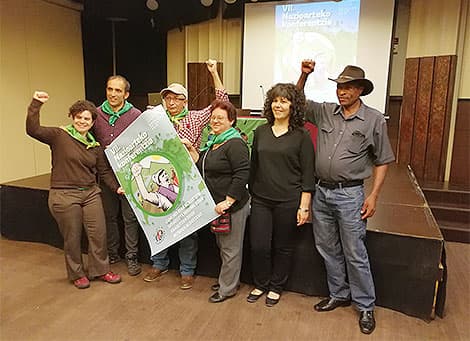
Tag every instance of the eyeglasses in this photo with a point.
(219, 118)
(169, 99)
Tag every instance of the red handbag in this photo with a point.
(222, 224)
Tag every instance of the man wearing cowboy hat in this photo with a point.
(352, 144)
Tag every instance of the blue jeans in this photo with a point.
(340, 239)
(187, 251)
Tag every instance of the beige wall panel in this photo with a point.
(465, 76)
(231, 55)
(203, 41)
(217, 39)
(399, 55)
(16, 150)
(41, 49)
(433, 28)
(216, 42)
(192, 40)
(176, 71)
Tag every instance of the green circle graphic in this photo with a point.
(157, 192)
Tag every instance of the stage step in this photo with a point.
(450, 206)
(450, 198)
(454, 232)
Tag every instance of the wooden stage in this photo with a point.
(406, 247)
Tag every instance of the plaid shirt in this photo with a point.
(192, 125)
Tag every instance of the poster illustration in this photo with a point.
(321, 31)
(162, 184)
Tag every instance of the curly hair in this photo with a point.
(297, 107)
(82, 105)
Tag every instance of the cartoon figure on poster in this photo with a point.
(162, 184)
(156, 191)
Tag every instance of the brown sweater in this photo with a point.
(73, 165)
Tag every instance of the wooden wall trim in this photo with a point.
(460, 166)
(201, 91)
(450, 100)
(405, 134)
(439, 119)
(423, 103)
(425, 115)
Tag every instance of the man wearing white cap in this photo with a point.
(188, 124)
(352, 143)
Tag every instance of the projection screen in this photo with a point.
(278, 35)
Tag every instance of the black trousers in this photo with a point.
(273, 236)
(115, 206)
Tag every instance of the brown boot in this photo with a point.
(154, 274)
(186, 282)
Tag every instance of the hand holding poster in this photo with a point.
(162, 184)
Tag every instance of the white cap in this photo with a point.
(175, 88)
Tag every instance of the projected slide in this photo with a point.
(277, 35)
(322, 31)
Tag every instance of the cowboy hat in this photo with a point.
(355, 73)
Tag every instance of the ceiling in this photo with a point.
(170, 13)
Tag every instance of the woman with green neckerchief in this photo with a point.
(224, 164)
(74, 195)
(188, 124)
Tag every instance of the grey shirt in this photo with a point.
(347, 149)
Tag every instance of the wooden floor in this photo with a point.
(38, 303)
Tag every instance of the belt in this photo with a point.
(335, 185)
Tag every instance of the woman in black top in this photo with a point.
(224, 165)
(281, 182)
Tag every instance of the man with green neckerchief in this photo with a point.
(114, 116)
(188, 124)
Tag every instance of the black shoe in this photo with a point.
(216, 298)
(271, 302)
(113, 259)
(133, 266)
(329, 304)
(252, 298)
(367, 322)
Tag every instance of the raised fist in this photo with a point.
(211, 65)
(136, 169)
(41, 96)
(307, 66)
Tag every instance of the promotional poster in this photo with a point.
(162, 183)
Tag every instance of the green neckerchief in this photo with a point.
(113, 116)
(221, 138)
(89, 141)
(175, 119)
